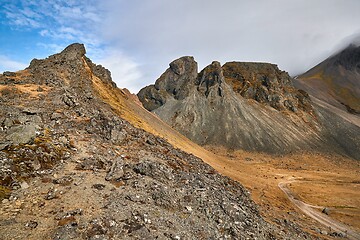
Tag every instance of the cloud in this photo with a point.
(56, 19)
(124, 71)
(137, 39)
(293, 34)
(7, 64)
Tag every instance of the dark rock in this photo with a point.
(31, 224)
(9, 74)
(326, 211)
(98, 186)
(96, 227)
(69, 100)
(211, 78)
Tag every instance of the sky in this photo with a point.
(137, 39)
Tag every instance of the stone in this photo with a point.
(116, 172)
(69, 214)
(326, 211)
(24, 185)
(64, 181)
(8, 123)
(56, 116)
(98, 186)
(22, 134)
(31, 224)
(118, 136)
(9, 74)
(51, 194)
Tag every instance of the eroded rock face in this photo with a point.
(210, 79)
(265, 83)
(250, 106)
(173, 82)
(211, 107)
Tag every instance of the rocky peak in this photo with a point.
(175, 83)
(210, 79)
(263, 82)
(73, 51)
(349, 58)
(69, 68)
(185, 64)
(180, 72)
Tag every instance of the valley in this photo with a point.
(331, 182)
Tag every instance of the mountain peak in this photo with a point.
(183, 64)
(74, 51)
(336, 80)
(349, 58)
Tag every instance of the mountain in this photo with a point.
(249, 106)
(336, 80)
(76, 163)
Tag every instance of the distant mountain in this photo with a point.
(336, 80)
(250, 106)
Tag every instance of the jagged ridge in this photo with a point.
(251, 106)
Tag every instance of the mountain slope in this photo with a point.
(72, 168)
(250, 106)
(336, 80)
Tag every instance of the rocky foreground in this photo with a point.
(71, 168)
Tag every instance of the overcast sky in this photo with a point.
(137, 39)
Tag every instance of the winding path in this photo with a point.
(318, 216)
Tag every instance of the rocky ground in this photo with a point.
(71, 168)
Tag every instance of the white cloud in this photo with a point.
(296, 35)
(124, 71)
(293, 34)
(7, 64)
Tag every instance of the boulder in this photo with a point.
(22, 134)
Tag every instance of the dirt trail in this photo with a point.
(318, 216)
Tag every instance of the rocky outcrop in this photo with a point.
(250, 106)
(265, 83)
(173, 82)
(86, 173)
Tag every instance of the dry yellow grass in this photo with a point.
(30, 90)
